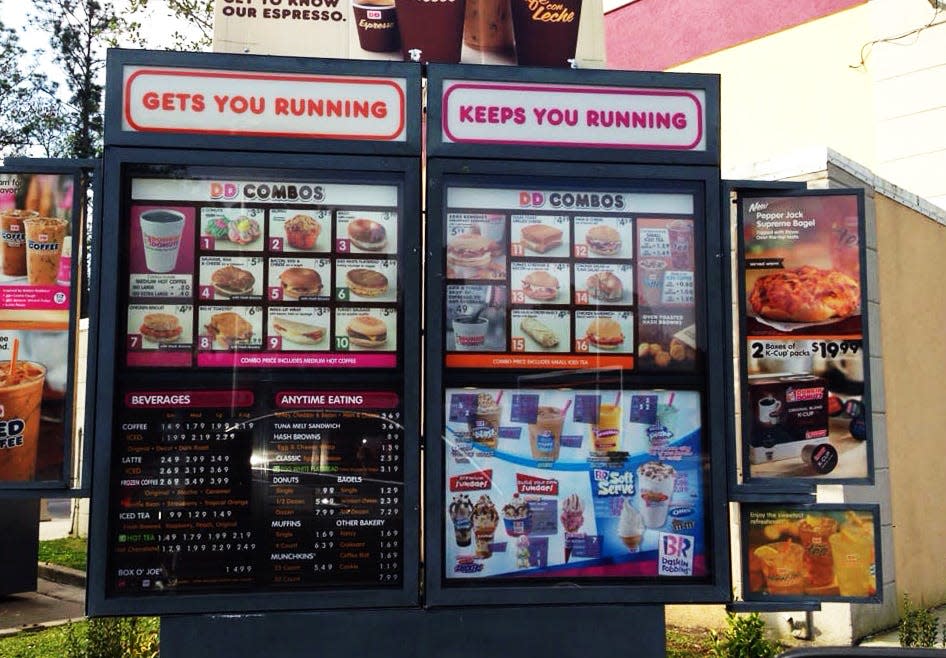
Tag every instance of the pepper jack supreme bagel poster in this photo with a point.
(804, 301)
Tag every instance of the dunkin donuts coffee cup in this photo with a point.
(432, 27)
(377, 25)
(546, 31)
(21, 393)
(161, 236)
(44, 238)
(13, 241)
(488, 25)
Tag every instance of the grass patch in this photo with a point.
(38, 644)
(66, 552)
(688, 642)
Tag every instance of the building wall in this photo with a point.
(911, 250)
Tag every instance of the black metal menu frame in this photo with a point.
(542, 167)
(83, 173)
(259, 159)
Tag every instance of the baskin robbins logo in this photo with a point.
(606, 482)
(674, 554)
(477, 481)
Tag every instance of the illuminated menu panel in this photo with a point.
(262, 274)
(222, 490)
(550, 279)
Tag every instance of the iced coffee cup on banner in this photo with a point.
(431, 30)
(376, 21)
(546, 31)
(21, 394)
(13, 241)
(161, 236)
(488, 25)
(44, 238)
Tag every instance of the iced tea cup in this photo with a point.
(44, 238)
(545, 434)
(432, 28)
(853, 552)
(606, 433)
(161, 236)
(652, 276)
(20, 398)
(13, 241)
(814, 532)
(680, 233)
(783, 565)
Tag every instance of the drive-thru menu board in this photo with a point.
(545, 278)
(232, 470)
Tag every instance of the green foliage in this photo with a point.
(919, 627)
(47, 643)
(744, 638)
(113, 637)
(66, 552)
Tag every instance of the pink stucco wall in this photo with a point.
(653, 35)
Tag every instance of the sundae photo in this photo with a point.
(572, 518)
(485, 519)
(461, 513)
(517, 516)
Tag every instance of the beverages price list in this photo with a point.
(549, 279)
(224, 490)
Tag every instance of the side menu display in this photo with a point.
(219, 490)
(262, 274)
(553, 279)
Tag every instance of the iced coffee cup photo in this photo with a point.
(44, 239)
(21, 394)
(13, 241)
(431, 30)
(376, 21)
(545, 434)
(161, 237)
(546, 31)
(488, 25)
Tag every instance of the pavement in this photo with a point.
(60, 592)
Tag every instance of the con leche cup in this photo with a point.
(161, 236)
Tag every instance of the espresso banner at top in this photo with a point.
(523, 32)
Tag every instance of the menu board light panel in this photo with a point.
(548, 278)
(573, 485)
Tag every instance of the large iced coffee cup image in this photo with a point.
(655, 488)
(431, 30)
(376, 21)
(546, 31)
(487, 25)
(44, 238)
(161, 237)
(21, 393)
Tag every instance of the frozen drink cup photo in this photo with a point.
(377, 25)
(13, 241)
(21, 392)
(433, 27)
(655, 488)
(546, 31)
(161, 237)
(44, 238)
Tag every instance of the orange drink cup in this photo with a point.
(783, 565)
(853, 551)
(606, 433)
